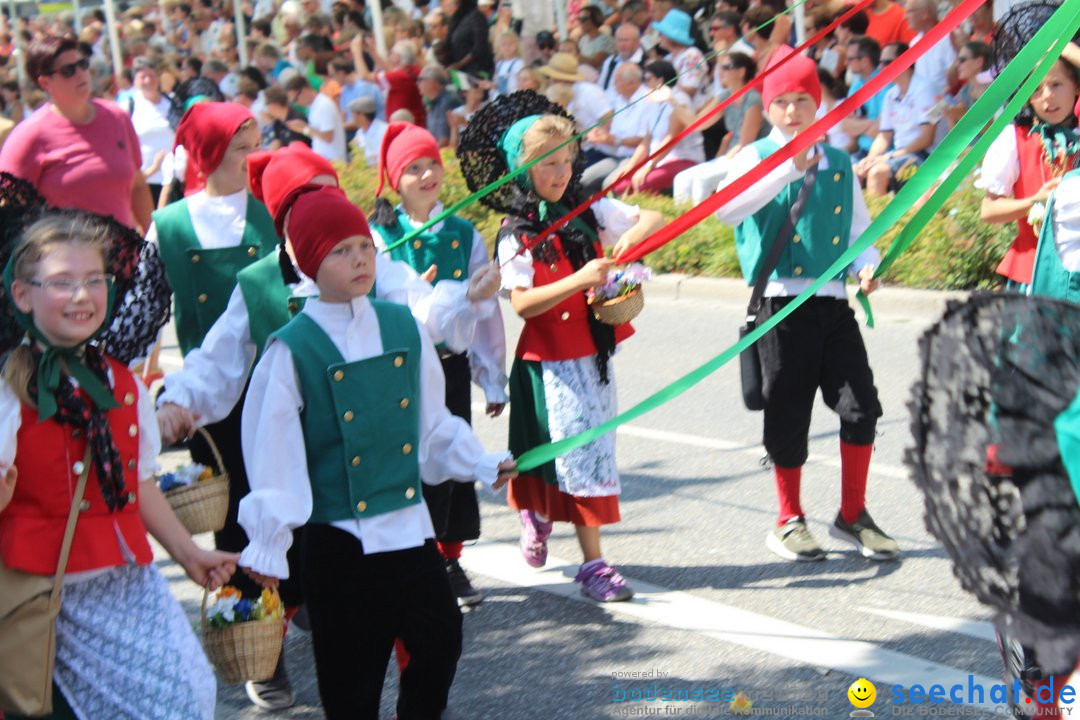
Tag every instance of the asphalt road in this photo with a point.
(715, 613)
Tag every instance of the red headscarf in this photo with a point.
(799, 74)
(274, 174)
(205, 131)
(321, 218)
(401, 145)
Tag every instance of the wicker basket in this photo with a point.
(244, 651)
(619, 310)
(202, 506)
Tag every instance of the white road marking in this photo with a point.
(658, 605)
(978, 629)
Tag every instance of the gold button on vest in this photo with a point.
(455, 245)
(417, 244)
(410, 493)
(836, 177)
(836, 240)
(356, 461)
(837, 210)
(457, 273)
(348, 416)
(404, 404)
(252, 251)
(798, 270)
(406, 449)
(796, 239)
(399, 361)
(202, 297)
(361, 506)
(339, 375)
(195, 259)
(554, 267)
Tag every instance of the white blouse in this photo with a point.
(214, 373)
(613, 217)
(1001, 164)
(1067, 222)
(755, 197)
(487, 353)
(273, 442)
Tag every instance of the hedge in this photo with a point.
(955, 251)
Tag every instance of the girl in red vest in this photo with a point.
(1026, 163)
(124, 645)
(561, 382)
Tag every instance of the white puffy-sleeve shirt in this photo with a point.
(1066, 221)
(214, 373)
(613, 218)
(757, 195)
(273, 443)
(487, 353)
(1001, 164)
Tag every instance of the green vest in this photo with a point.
(1050, 278)
(269, 303)
(202, 280)
(449, 249)
(821, 233)
(361, 419)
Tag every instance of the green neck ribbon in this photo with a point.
(1040, 53)
(1058, 141)
(1067, 429)
(55, 359)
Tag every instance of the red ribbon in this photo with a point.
(754, 83)
(804, 139)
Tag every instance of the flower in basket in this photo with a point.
(1036, 215)
(230, 608)
(620, 283)
(183, 476)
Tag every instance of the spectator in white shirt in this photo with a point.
(149, 110)
(628, 49)
(589, 105)
(933, 65)
(369, 129)
(626, 129)
(324, 124)
(906, 132)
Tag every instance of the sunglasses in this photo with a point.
(70, 69)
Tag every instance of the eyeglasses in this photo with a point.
(70, 69)
(70, 286)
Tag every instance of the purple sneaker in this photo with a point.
(603, 583)
(534, 536)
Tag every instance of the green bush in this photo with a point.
(956, 250)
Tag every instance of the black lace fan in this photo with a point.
(1017, 27)
(143, 295)
(481, 155)
(997, 371)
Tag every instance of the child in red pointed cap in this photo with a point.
(819, 345)
(409, 162)
(205, 240)
(344, 422)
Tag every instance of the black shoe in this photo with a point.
(464, 591)
(275, 693)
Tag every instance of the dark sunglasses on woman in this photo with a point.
(69, 70)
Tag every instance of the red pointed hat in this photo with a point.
(205, 131)
(321, 216)
(273, 174)
(799, 74)
(401, 145)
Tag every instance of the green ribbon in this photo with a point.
(1041, 52)
(56, 359)
(1058, 140)
(1067, 429)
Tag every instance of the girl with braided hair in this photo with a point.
(561, 382)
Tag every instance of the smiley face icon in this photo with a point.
(862, 693)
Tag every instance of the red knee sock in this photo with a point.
(787, 490)
(854, 468)
(402, 655)
(451, 550)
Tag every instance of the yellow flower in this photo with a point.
(206, 474)
(271, 604)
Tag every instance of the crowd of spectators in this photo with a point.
(315, 74)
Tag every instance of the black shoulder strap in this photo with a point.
(782, 237)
